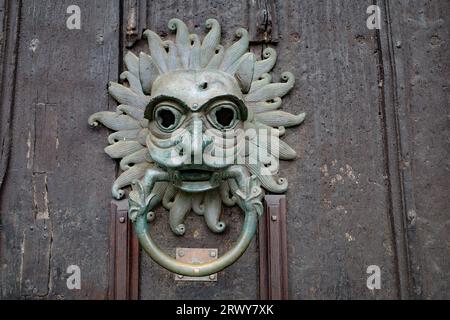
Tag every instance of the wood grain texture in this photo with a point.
(55, 202)
(416, 66)
(10, 27)
(338, 197)
(370, 186)
(231, 15)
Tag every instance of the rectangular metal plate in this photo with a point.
(196, 255)
(273, 249)
(124, 255)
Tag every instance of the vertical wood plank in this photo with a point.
(10, 27)
(54, 203)
(416, 67)
(338, 197)
(10, 15)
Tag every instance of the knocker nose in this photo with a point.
(199, 140)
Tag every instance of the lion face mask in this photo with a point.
(198, 126)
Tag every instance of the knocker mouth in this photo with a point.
(194, 179)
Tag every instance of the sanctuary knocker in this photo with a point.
(198, 127)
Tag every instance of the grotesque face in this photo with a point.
(196, 116)
(190, 113)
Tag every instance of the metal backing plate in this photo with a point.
(196, 255)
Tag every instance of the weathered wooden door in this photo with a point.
(370, 187)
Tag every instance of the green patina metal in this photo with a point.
(141, 204)
(182, 125)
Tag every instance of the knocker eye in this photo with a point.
(224, 116)
(167, 118)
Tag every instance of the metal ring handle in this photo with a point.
(196, 270)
